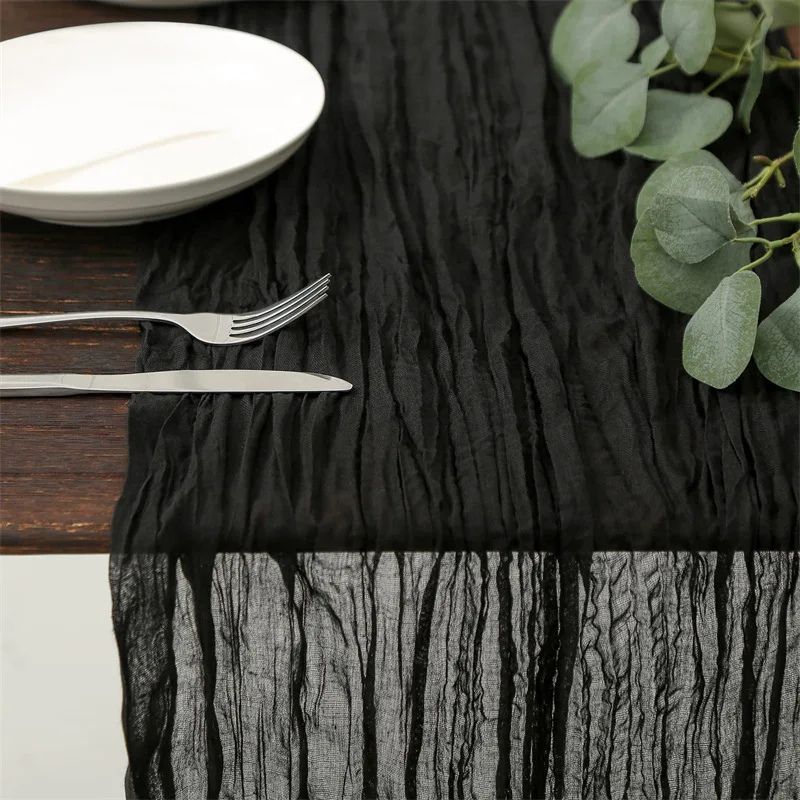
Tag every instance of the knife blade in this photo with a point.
(228, 381)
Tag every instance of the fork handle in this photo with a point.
(76, 316)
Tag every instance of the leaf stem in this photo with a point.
(783, 63)
(730, 72)
(746, 53)
(664, 69)
(760, 260)
(794, 216)
(770, 246)
(753, 240)
(759, 181)
(774, 62)
(717, 51)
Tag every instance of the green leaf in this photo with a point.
(608, 107)
(654, 53)
(691, 216)
(593, 30)
(742, 212)
(744, 227)
(665, 172)
(783, 12)
(683, 287)
(734, 28)
(755, 78)
(678, 123)
(690, 27)
(719, 338)
(777, 350)
(796, 150)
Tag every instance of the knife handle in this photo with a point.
(44, 385)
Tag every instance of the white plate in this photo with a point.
(123, 122)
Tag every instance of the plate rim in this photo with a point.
(8, 192)
(77, 214)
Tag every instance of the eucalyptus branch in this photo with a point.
(745, 56)
(757, 183)
(793, 216)
(766, 161)
(775, 62)
(731, 72)
(753, 240)
(758, 262)
(691, 207)
(770, 245)
(728, 55)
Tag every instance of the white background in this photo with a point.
(60, 692)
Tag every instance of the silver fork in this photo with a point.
(207, 327)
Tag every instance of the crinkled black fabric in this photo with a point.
(439, 675)
(443, 612)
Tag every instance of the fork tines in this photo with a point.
(261, 323)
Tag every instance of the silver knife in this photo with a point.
(233, 381)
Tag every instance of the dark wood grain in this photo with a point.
(21, 17)
(63, 461)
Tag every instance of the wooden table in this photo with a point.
(63, 462)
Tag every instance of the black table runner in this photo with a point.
(527, 555)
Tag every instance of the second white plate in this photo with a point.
(124, 122)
